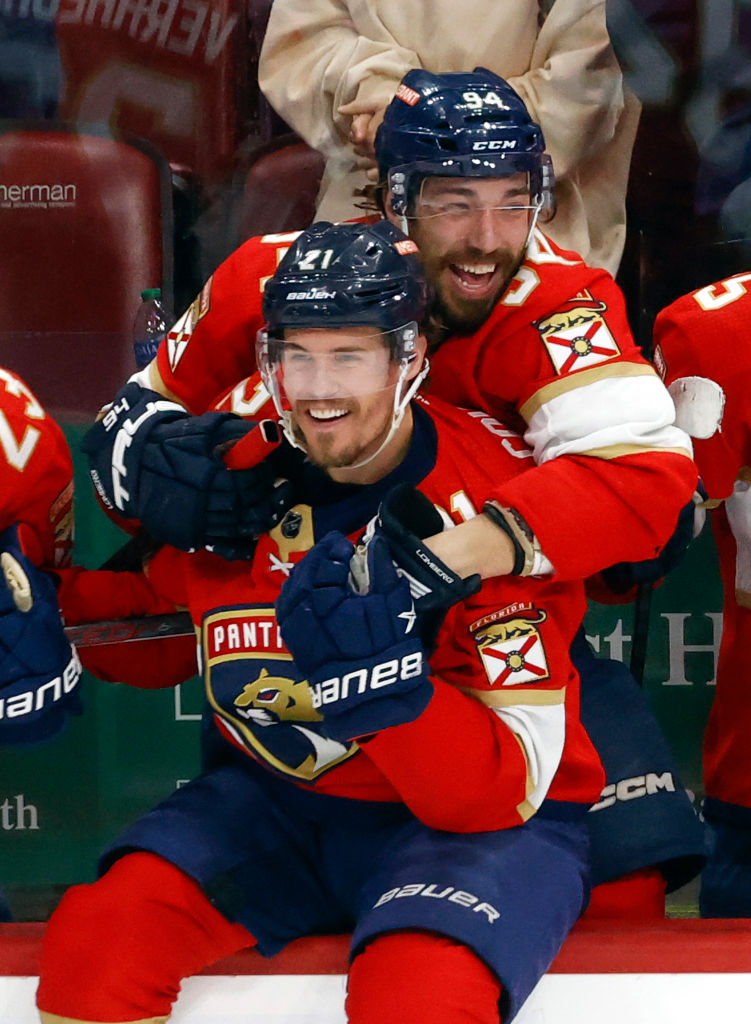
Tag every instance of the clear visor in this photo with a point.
(318, 364)
(458, 205)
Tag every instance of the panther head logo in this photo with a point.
(269, 700)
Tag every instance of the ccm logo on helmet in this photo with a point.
(495, 144)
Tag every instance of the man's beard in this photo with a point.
(465, 316)
(318, 454)
(324, 453)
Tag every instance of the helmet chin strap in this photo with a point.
(401, 401)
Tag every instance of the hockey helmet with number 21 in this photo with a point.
(465, 125)
(339, 276)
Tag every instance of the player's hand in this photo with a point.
(39, 668)
(406, 516)
(624, 576)
(366, 120)
(152, 461)
(360, 653)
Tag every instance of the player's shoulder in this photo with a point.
(473, 436)
(704, 333)
(265, 252)
(12, 386)
(719, 311)
(258, 255)
(551, 282)
(19, 403)
(562, 268)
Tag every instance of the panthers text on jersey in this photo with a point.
(702, 350)
(36, 475)
(501, 735)
(555, 359)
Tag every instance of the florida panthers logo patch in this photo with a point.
(510, 646)
(259, 701)
(578, 338)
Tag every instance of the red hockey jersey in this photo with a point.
(703, 352)
(705, 334)
(36, 475)
(36, 491)
(501, 734)
(555, 359)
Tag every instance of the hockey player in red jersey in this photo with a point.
(521, 330)
(702, 351)
(396, 753)
(537, 339)
(39, 670)
(36, 475)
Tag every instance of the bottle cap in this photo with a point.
(151, 293)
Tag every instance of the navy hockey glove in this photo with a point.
(404, 518)
(39, 668)
(152, 461)
(360, 653)
(623, 576)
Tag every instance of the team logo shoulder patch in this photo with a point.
(510, 646)
(578, 337)
(179, 335)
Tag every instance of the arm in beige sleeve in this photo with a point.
(574, 85)
(314, 60)
(319, 55)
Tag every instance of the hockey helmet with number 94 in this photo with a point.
(460, 124)
(340, 276)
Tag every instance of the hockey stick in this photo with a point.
(130, 557)
(640, 631)
(117, 631)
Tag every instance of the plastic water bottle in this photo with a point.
(151, 323)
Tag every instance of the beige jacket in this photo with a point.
(320, 54)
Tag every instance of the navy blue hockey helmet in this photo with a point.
(460, 124)
(347, 275)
